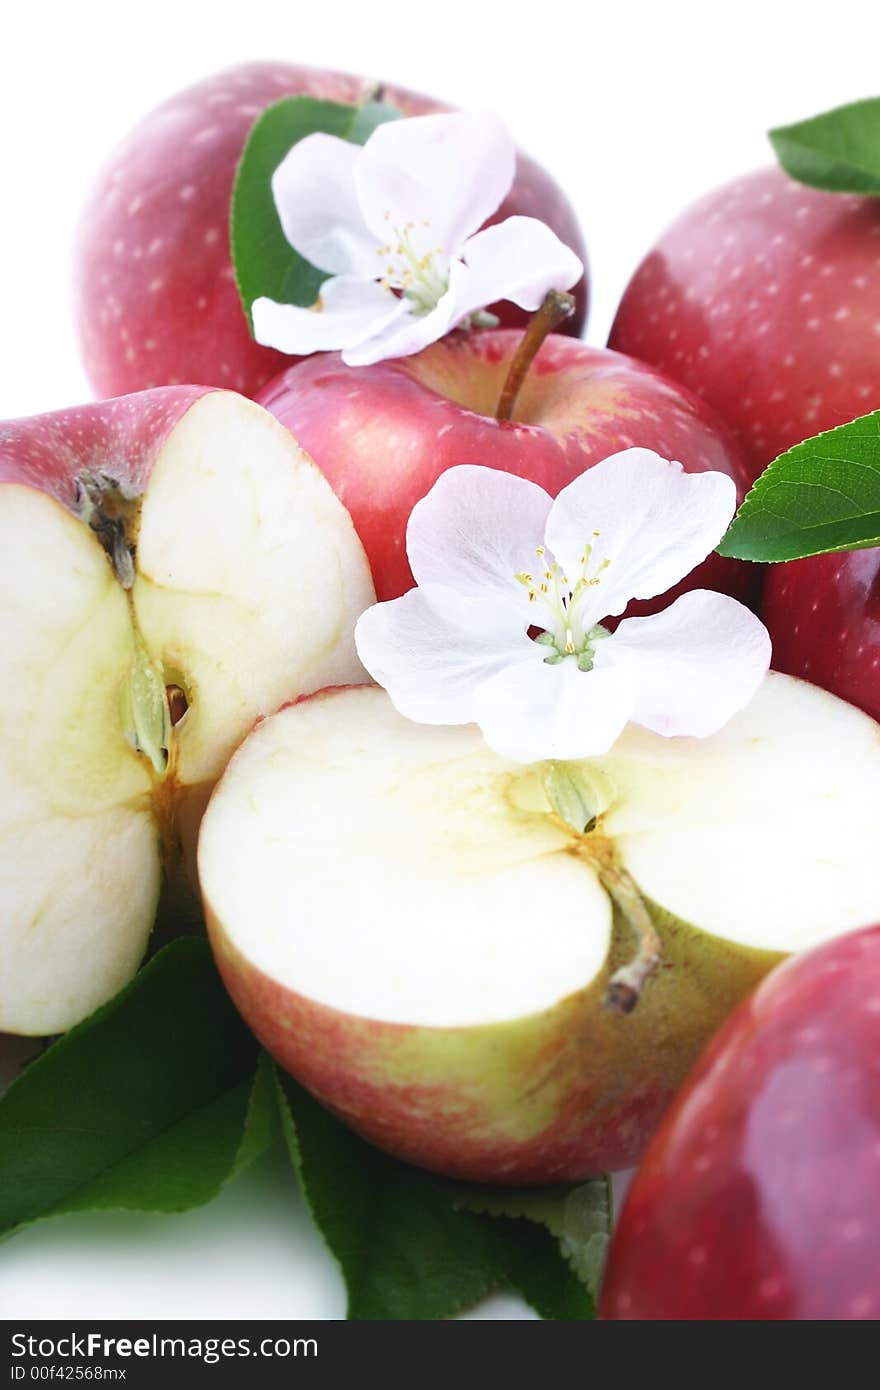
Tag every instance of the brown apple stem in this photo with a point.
(555, 309)
(627, 983)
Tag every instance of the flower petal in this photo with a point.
(533, 711)
(432, 648)
(316, 198)
(475, 531)
(447, 171)
(693, 665)
(655, 523)
(519, 259)
(410, 331)
(348, 311)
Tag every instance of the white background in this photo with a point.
(635, 107)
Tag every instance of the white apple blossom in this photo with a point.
(393, 222)
(505, 627)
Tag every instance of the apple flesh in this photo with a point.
(383, 434)
(757, 1197)
(172, 566)
(413, 934)
(156, 296)
(764, 299)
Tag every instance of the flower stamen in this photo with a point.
(565, 630)
(423, 278)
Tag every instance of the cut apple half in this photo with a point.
(155, 599)
(417, 933)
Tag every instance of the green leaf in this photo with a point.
(838, 151)
(151, 1104)
(265, 262)
(822, 495)
(160, 1098)
(368, 118)
(580, 1218)
(406, 1242)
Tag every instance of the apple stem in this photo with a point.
(145, 717)
(579, 801)
(627, 983)
(556, 307)
(112, 511)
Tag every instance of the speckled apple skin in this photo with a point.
(382, 435)
(553, 1097)
(155, 291)
(764, 299)
(757, 1198)
(823, 614)
(122, 437)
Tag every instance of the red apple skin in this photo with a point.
(122, 437)
(823, 614)
(156, 297)
(339, 1059)
(362, 1070)
(757, 1198)
(764, 299)
(383, 434)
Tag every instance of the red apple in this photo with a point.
(764, 298)
(156, 297)
(172, 566)
(824, 617)
(757, 1198)
(410, 930)
(382, 435)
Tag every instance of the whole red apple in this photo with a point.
(156, 296)
(764, 299)
(383, 434)
(757, 1196)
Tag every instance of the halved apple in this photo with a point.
(418, 934)
(172, 566)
